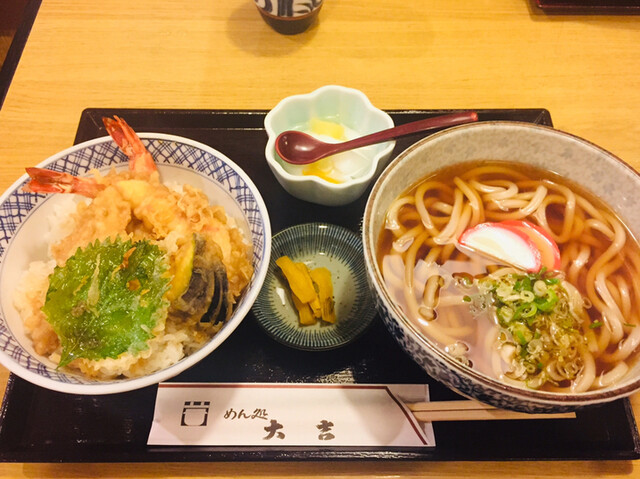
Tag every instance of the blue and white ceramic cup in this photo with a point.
(289, 16)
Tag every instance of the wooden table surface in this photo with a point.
(216, 54)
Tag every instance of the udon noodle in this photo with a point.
(442, 288)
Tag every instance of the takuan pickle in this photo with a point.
(311, 291)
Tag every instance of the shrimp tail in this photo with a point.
(48, 181)
(140, 160)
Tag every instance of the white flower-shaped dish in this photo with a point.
(346, 106)
(24, 227)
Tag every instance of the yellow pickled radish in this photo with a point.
(311, 291)
(325, 167)
(320, 170)
(304, 311)
(322, 279)
(315, 302)
(299, 281)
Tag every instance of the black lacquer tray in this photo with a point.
(26, 18)
(601, 7)
(38, 425)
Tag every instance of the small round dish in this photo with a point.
(317, 244)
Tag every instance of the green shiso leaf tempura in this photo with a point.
(107, 299)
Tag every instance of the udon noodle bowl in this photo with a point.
(572, 328)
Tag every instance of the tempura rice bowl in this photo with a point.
(27, 230)
(593, 169)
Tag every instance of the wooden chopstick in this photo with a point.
(466, 410)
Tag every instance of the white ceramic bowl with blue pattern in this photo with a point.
(24, 226)
(596, 170)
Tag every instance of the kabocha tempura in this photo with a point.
(145, 275)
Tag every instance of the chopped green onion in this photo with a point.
(529, 310)
(523, 284)
(528, 307)
(506, 313)
(527, 296)
(520, 337)
(552, 299)
(629, 325)
(466, 299)
(595, 324)
(540, 288)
